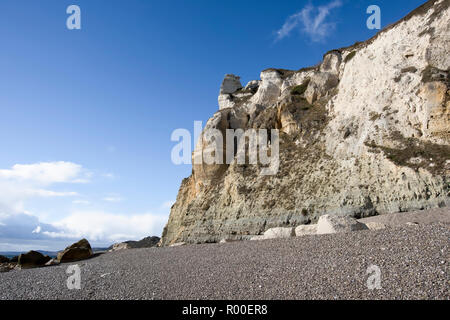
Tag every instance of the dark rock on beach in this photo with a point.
(32, 259)
(78, 251)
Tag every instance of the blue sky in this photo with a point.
(86, 115)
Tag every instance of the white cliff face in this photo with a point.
(269, 89)
(382, 89)
(225, 101)
(230, 85)
(252, 85)
(296, 79)
(332, 63)
(320, 85)
(365, 132)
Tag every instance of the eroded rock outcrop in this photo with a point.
(147, 242)
(365, 132)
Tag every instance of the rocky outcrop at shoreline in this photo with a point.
(147, 242)
(365, 132)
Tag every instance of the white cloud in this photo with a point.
(311, 20)
(109, 176)
(37, 230)
(46, 173)
(48, 193)
(22, 182)
(83, 202)
(113, 198)
(108, 227)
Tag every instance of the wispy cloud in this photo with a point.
(110, 176)
(310, 20)
(37, 230)
(83, 202)
(113, 198)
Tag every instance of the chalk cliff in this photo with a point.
(365, 132)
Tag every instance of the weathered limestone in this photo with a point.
(332, 223)
(375, 226)
(269, 88)
(279, 233)
(370, 135)
(437, 105)
(331, 62)
(178, 244)
(226, 101)
(230, 84)
(320, 84)
(227, 240)
(305, 230)
(257, 238)
(252, 85)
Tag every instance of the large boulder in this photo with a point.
(3, 259)
(305, 230)
(279, 233)
(257, 238)
(78, 251)
(275, 233)
(320, 84)
(332, 223)
(32, 259)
